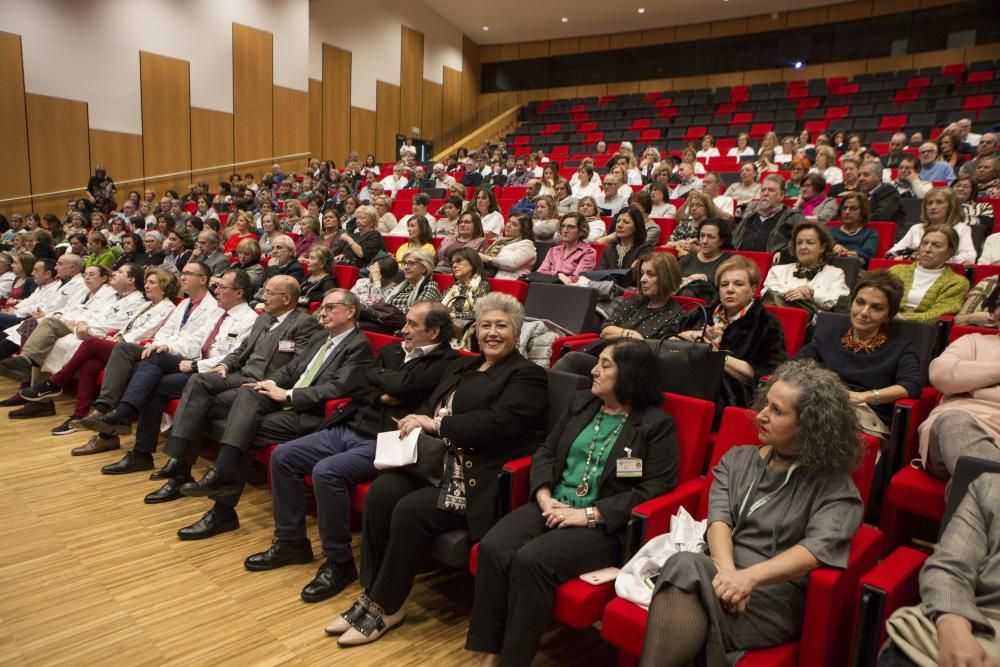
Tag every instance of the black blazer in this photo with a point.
(609, 258)
(410, 383)
(886, 204)
(353, 353)
(649, 433)
(293, 269)
(498, 415)
(259, 355)
(313, 292)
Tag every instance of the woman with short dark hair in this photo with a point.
(810, 282)
(853, 238)
(576, 519)
(461, 297)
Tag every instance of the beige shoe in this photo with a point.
(372, 628)
(342, 623)
(96, 445)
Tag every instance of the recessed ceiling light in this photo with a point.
(565, 19)
(642, 10)
(486, 28)
(798, 64)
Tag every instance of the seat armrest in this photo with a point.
(892, 584)
(515, 478)
(907, 416)
(334, 404)
(652, 517)
(564, 344)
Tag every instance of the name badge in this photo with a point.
(628, 465)
(286, 346)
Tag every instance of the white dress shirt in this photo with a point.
(966, 250)
(185, 339)
(234, 329)
(402, 229)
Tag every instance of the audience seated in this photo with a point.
(624, 248)
(611, 200)
(974, 311)
(810, 282)
(883, 198)
(544, 218)
(930, 288)
(513, 255)
(573, 256)
(363, 244)
(468, 234)
(696, 209)
(768, 225)
(931, 167)
(529, 552)
(461, 297)
(939, 208)
(965, 423)
(853, 238)
(489, 410)
(814, 205)
(711, 185)
(850, 168)
(751, 592)
(319, 278)
(376, 286)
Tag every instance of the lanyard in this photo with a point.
(760, 502)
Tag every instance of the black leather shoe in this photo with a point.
(111, 423)
(211, 483)
(171, 490)
(213, 523)
(16, 368)
(12, 401)
(32, 410)
(133, 461)
(331, 578)
(280, 554)
(173, 468)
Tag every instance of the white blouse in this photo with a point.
(516, 259)
(828, 285)
(664, 210)
(966, 250)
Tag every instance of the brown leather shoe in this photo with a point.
(75, 421)
(96, 445)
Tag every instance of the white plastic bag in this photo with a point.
(685, 534)
(391, 451)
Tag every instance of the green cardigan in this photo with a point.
(105, 259)
(944, 297)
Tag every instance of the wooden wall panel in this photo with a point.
(595, 90)
(805, 17)
(728, 28)
(430, 115)
(363, 133)
(659, 36)
(848, 68)
(58, 149)
(212, 146)
(804, 74)
(508, 52)
(625, 40)
(386, 120)
(890, 63)
(533, 50)
(253, 95)
(690, 82)
(411, 81)
(563, 47)
(166, 121)
(981, 52)
(594, 43)
(689, 33)
(336, 103)
(291, 126)
(121, 153)
(623, 88)
(471, 75)
(451, 103)
(316, 118)
(725, 79)
(850, 11)
(562, 93)
(656, 85)
(884, 7)
(489, 53)
(766, 23)
(762, 76)
(15, 178)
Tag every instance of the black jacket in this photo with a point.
(886, 204)
(293, 269)
(758, 339)
(409, 383)
(649, 433)
(313, 293)
(609, 258)
(498, 415)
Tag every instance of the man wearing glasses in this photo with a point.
(182, 335)
(932, 169)
(209, 253)
(289, 403)
(342, 452)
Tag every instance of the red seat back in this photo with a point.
(794, 322)
(959, 330)
(693, 421)
(516, 288)
(346, 275)
(378, 341)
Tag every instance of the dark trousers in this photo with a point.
(893, 656)
(147, 375)
(338, 458)
(521, 563)
(7, 348)
(206, 396)
(122, 362)
(399, 523)
(147, 432)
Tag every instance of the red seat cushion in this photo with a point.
(578, 604)
(915, 492)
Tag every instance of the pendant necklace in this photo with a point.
(583, 488)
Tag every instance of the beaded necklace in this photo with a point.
(851, 342)
(583, 488)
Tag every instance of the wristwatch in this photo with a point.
(591, 517)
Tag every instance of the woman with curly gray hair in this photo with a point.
(776, 512)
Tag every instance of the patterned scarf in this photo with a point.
(807, 272)
(720, 321)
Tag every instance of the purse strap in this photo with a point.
(683, 311)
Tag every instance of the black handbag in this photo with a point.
(430, 460)
(689, 368)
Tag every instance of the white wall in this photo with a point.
(373, 37)
(89, 50)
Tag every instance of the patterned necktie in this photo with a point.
(207, 345)
(313, 370)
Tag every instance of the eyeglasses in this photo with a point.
(328, 307)
(850, 208)
(193, 274)
(410, 262)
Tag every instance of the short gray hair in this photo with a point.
(283, 240)
(504, 303)
(425, 258)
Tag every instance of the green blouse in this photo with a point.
(607, 428)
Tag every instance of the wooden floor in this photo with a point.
(91, 575)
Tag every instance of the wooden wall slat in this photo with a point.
(386, 120)
(212, 145)
(471, 75)
(804, 17)
(15, 180)
(490, 53)
(58, 149)
(656, 85)
(594, 43)
(538, 49)
(451, 103)
(411, 81)
(291, 126)
(253, 95)
(885, 7)
(430, 114)
(121, 153)
(336, 103)
(363, 132)
(850, 11)
(316, 118)
(625, 40)
(659, 36)
(689, 33)
(594, 90)
(166, 120)
(728, 28)
(766, 22)
(558, 47)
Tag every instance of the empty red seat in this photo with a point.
(522, 139)
(727, 107)
(805, 104)
(649, 97)
(848, 89)
(739, 94)
(588, 126)
(797, 93)
(906, 95)
(836, 113)
(977, 102)
(744, 118)
(817, 126)
(560, 150)
(957, 69)
(695, 132)
(640, 124)
(606, 99)
(652, 134)
(580, 117)
(667, 112)
(979, 76)
(758, 130)
(663, 102)
(918, 82)
(577, 108)
(551, 128)
(593, 137)
(893, 123)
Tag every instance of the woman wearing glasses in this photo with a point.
(854, 238)
(574, 256)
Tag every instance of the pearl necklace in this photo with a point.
(583, 488)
